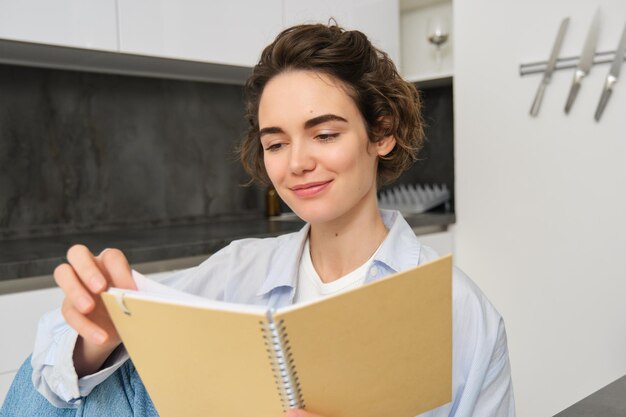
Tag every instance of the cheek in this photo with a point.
(366, 168)
(340, 159)
(273, 167)
(355, 161)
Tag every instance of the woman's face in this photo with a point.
(316, 150)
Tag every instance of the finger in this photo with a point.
(82, 260)
(114, 262)
(85, 327)
(73, 289)
(297, 412)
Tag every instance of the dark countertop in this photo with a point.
(609, 401)
(29, 257)
(38, 256)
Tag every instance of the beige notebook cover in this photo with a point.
(381, 350)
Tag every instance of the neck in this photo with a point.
(341, 246)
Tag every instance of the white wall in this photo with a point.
(420, 59)
(541, 203)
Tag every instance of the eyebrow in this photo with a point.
(323, 119)
(307, 125)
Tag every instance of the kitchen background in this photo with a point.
(87, 152)
(119, 117)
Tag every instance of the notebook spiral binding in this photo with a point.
(285, 374)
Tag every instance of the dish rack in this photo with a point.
(414, 198)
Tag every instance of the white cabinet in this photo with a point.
(5, 383)
(209, 39)
(235, 32)
(89, 24)
(232, 32)
(19, 315)
(378, 19)
(421, 59)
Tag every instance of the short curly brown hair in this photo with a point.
(389, 104)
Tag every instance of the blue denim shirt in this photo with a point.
(265, 272)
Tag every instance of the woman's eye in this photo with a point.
(327, 136)
(273, 147)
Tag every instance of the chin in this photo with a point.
(317, 215)
(309, 216)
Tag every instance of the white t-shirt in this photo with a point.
(310, 286)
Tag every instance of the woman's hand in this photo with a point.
(82, 279)
(297, 412)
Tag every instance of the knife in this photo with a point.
(612, 76)
(586, 60)
(547, 75)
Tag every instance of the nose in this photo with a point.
(301, 159)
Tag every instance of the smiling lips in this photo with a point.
(310, 189)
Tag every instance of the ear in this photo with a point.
(386, 143)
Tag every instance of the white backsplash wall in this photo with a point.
(540, 203)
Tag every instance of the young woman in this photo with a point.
(330, 120)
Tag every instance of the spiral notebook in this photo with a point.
(381, 350)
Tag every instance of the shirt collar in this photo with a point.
(399, 251)
(283, 271)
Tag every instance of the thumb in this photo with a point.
(297, 412)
